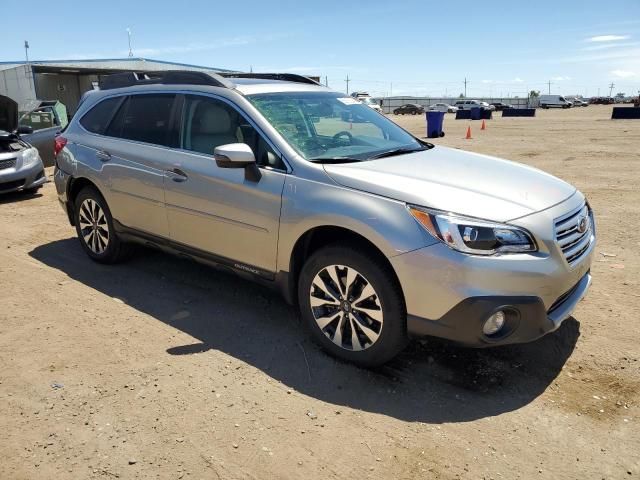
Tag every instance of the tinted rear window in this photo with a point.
(144, 118)
(97, 119)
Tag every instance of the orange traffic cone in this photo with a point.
(468, 137)
(483, 127)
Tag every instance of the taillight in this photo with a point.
(60, 142)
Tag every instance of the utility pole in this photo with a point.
(250, 68)
(129, 36)
(347, 81)
(326, 81)
(26, 50)
(549, 83)
(611, 88)
(391, 89)
(465, 87)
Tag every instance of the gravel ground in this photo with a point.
(162, 368)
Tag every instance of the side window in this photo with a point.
(145, 118)
(208, 123)
(97, 119)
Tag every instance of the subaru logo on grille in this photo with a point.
(583, 224)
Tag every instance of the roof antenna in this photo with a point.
(129, 35)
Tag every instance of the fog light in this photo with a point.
(494, 323)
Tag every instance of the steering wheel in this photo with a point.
(343, 133)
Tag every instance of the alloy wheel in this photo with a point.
(346, 307)
(93, 226)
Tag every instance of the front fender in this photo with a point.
(307, 204)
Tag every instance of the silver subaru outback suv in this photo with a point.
(374, 234)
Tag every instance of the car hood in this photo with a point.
(8, 114)
(456, 181)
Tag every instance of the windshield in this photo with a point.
(324, 125)
(368, 101)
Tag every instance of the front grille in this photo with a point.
(574, 233)
(8, 163)
(11, 185)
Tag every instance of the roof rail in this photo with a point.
(287, 77)
(169, 77)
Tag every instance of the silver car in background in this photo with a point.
(374, 234)
(21, 168)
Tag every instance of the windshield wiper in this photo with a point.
(397, 151)
(335, 160)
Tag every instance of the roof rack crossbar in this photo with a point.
(169, 77)
(287, 77)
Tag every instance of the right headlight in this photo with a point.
(471, 235)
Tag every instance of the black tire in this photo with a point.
(393, 332)
(115, 250)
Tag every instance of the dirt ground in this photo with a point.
(162, 368)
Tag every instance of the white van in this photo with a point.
(548, 101)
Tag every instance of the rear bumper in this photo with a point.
(527, 318)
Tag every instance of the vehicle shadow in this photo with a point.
(433, 381)
(14, 197)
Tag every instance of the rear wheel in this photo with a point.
(94, 226)
(352, 305)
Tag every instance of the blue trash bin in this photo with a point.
(434, 124)
(476, 113)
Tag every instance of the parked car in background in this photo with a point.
(409, 109)
(554, 101)
(373, 233)
(371, 103)
(499, 106)
(602, 101)
(442, 107)
(467, 104)
(20, 164)
(578, 102)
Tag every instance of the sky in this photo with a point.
(398, 48)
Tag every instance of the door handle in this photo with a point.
(177, 175)
(103, 155)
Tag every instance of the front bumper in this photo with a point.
(527, 318)
(451, 294)
(22, 178)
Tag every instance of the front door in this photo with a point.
(217, 210)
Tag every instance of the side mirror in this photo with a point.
(25, 129)
(238, 155)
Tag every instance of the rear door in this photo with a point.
(216, 210)
(134, 155)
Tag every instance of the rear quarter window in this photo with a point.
(97, 119)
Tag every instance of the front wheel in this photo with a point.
(352, 304)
